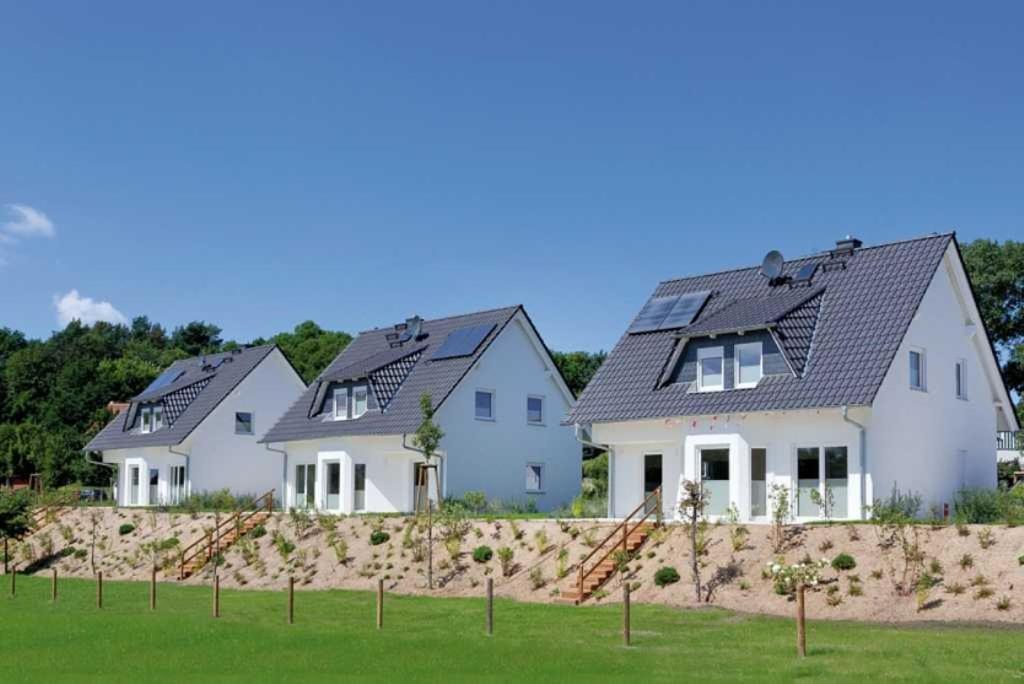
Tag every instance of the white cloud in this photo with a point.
(72, 306)
(27, 222)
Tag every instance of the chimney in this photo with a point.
(847, 245)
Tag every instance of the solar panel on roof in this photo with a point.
(463, 341)
(164, 379)
(806, 272)
(654, 312)
(685, 310)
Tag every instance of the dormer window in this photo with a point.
(152, 419)
(711, 369)
(359, 400)
(147, 420)
(341, 403)
(748, 364)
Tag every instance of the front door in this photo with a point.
(714, 477)
(652, 479)
(419, 487)
(333, 491)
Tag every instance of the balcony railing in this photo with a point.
(1009, 441)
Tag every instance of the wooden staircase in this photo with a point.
(628, 536)
(240, 523)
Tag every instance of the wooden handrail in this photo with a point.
(205, 543)
(626, 531)
(39, 515)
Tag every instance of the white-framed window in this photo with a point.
(244, 424)
(483, 408)
(535, 477)
(341, 403)
(158, 417)
(816, 467)
(535, 409)
(961, 379)
(749, 364)
(711, 369)
(918, 370)
(147, 420)
(360, 396)
(177, 492)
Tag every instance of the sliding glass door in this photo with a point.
(305, 485)
(817, 467)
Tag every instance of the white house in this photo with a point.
(196, 428)
(346, 445)
(862, 368)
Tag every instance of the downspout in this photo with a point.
(578, 432)
(863, 459)
(188, 468)
(284, 473)
(113, 469)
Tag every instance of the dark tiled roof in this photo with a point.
(187, 401)
(367, 353)
(750, 313)
(857, 322)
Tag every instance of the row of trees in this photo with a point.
(54, 392)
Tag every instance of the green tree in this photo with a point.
(197, 337)
(578, 367)
(427, 439)
(15, 518)
(997, 274)
(310, 348)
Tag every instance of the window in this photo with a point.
(961, 379)
(816, 468)
(758, 482)
(158, 417)
(710, 369)
(534, 477)
(917, 369)
(177, 485)
(341, 403)
(748, 364)
(484, 405)
(807, 474)
(333, 501)
(305, 485)
(147, 420)
(535, 410)
(359, 488)
(359, 399)
(243, 424)
(835, 478)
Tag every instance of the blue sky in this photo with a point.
(356, 164)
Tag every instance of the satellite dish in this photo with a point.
(771, 267)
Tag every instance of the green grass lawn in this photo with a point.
(426, 638)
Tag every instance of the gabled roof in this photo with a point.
(199, 385)
(839, 336)
(398, 375)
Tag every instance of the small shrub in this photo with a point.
(125, 528)
(541, 539)
(81, 554)
(1003, 603)
(844, 561)
(935, 567)
(983, 593)
(562, 568)
(825, 546)
(966, 561)
(963, 530)
(876, 574)
(955, 588)
(744, 585)
(979, 581)
(258, 531)
(977, 506)
(665, 576)
(454, 547)
(475, 502)
(505, 556)
(482, 554)
(537, 578)
(378, 537)
(1020, 560)
(986, 539)
(855, 589)
(340, 547)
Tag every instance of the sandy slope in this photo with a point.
(315, 562)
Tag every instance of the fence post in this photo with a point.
(152, 589)
(801, 629)
(291, 600)
(490, 606)
(216, 596)
(14, 573)
(625, 614)
(99, 589)
(380, 604)
(53, 587)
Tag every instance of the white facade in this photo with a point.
(214, 457)
(931, 441)
(491, 456)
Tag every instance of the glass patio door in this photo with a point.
(359, 488)
(305, 486)
(758, 482)
(333, 494)
(154, 486)
(714, 478)
(133, 485)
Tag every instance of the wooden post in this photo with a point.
(5, 556)
(53, 587)
(490, 606)
(380, 604)
(625, 614)
(152, 590)
(291, 600)
(99, 589)
(801, 628)
(430, 544)
(216, 596)
(14, 574)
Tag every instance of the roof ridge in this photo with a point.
(803, 257)
(448, 318)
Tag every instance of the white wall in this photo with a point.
(931, 442)
(491, 456)
(680, 440)
(218, 458)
